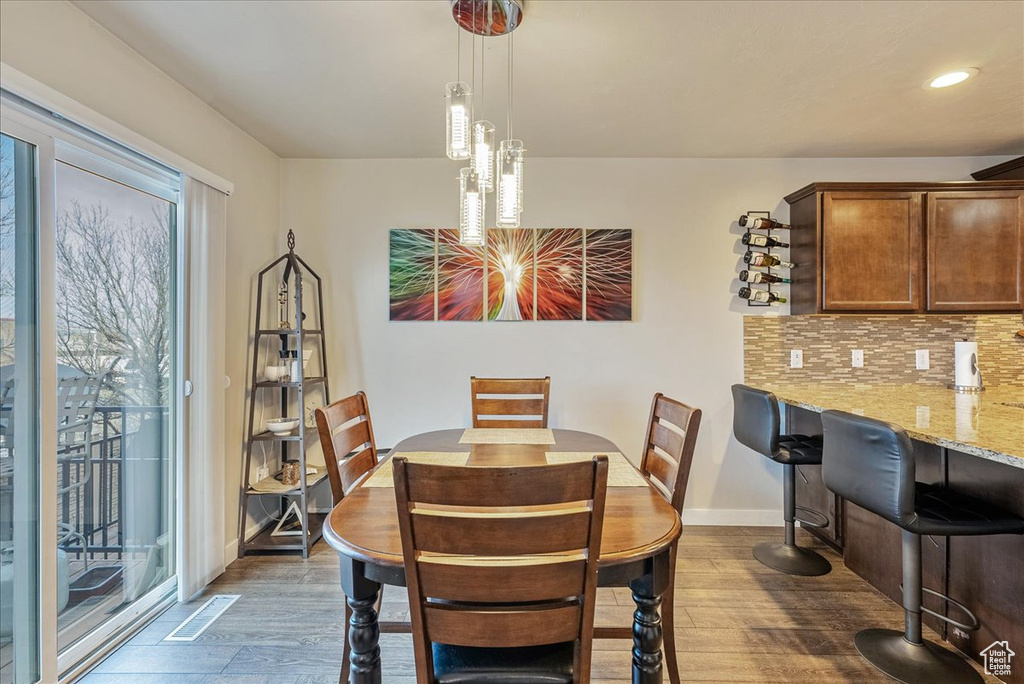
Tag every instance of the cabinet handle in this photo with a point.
(801, 473)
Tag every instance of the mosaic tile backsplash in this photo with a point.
(889, 343)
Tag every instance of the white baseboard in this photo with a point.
(717, 516)
(231, 549)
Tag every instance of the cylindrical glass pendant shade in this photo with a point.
(471, 208)
(483, 153)
(510, 183)
(459, 115)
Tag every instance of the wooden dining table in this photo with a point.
(640, 528)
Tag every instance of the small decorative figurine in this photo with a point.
(282, 305)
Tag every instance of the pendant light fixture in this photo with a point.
(458, 101)
(472, 205)
(459, 109)
(509, 158)
(490, 169)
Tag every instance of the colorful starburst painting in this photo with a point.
(609, 275)
(560, 275)
(460, 279)
(554, 274)
(413, 274)
(510, 274)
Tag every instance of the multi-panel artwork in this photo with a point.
(557, 274)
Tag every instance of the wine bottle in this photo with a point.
(759, 277)
(762, 241)
(761, 223)
(766, 260)
(763, 296)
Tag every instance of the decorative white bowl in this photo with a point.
(280, 426)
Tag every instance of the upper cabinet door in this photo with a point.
(976, 251)
(871, 251)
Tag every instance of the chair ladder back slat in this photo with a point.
(501, 536)
(352, 438)
(522, 486)
(356, 467)
(486, 580)
(502, 628)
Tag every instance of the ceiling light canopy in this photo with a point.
(488, 17)
(951, 78)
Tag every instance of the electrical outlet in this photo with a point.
(857, 358)
(262, 472)
(921, 359)
(796, 358)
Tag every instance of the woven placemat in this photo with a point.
(507, 436)
(384, 476)
(621, 472)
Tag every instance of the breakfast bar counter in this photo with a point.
(970, 443)
(989, 424)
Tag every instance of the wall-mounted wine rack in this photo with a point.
(752, 248)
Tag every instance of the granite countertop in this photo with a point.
(989, 425)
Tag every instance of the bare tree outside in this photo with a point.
(6, 251)
(113, 288)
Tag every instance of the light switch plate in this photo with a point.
(921, 359)
(857, 358)
(796, 358)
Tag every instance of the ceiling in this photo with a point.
(601, 78)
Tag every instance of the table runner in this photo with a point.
(507, 436)
(621, 472)
(384, 476)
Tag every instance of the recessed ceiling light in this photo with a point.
(952, 78)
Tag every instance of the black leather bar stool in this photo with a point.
(756, 425)
(871, 464)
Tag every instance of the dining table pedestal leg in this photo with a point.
(364, 629)
(647, 636)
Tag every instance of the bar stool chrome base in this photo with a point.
(925, 663)
(793, 560)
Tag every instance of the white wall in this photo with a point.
(59, 45)
(686, 337)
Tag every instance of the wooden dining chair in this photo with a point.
(346, 436)
(350, 452)
(510, 402)
(667, 456)
(499, 594)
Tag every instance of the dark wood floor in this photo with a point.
(736, 621)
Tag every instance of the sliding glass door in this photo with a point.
(19, 411)
(90, 380)
(115, 327)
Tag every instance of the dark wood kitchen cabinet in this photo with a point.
(871, 251)
(975, 250)
(907, 247)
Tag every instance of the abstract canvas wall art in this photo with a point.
(555, 274)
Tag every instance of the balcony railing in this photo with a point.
(123, 437)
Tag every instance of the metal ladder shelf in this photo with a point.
(292, 392)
